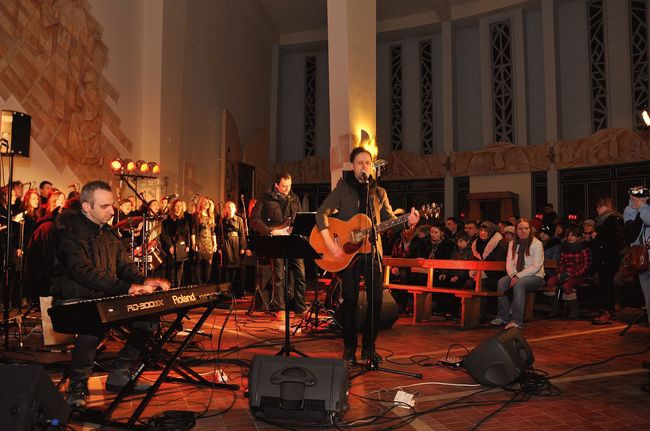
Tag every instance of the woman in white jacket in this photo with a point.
(525, 268)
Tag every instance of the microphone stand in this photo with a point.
(370, 258)
(144, 233)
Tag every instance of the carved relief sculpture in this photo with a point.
(52, 60)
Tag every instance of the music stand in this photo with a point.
(286, 247)
(303, 223)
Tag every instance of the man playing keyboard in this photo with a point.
(92, 262)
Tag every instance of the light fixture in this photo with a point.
(646, 117)
(133, 168)
(142, 166)
(129, 166)
(116, 165)
(154, 167)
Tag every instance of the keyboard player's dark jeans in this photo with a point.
(85, 349)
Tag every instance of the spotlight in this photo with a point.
(129, 165)
(154, 167)
(143, 167)
(646, 118)
(116, 165)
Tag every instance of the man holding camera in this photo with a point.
(637, 213)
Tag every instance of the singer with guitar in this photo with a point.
(350, 198)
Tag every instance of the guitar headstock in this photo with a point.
(430, 211)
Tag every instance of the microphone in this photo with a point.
(380, 163)
(364, 176)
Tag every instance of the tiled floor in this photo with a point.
(599, 397)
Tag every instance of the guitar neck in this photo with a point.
(390, 223)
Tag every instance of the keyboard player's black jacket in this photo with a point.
(91, 261)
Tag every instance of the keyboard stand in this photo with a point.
(163, 358)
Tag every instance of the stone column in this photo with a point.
(352, 55)
(551, 111)
(447, 35)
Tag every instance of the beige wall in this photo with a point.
(516, 183)
(225, 51)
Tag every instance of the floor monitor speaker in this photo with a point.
(305, 389)
(499, 360)
(29, 399)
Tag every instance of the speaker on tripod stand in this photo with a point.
(15, 128)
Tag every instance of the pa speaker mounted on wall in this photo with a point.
(305, 389)
(499, 360)
(15, 130)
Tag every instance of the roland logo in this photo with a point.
(183, 299)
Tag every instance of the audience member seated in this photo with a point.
(525, 268)
(438, 246)
(407, 245)
(452, 225)
(573, 264)
(488, 246)
(454, 278)
(471, 227)
(508, 235)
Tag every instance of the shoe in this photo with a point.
(512, 325)
(603, 318)
(76, 396)
(349, 356)
(118, 378)
(367, 355)
(498, 322)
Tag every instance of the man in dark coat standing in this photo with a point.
(272, 215)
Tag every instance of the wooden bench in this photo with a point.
(469, 299)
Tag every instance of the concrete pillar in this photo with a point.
(352, 57)
(551, 106)
(447, 36)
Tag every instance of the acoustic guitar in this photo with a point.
(352, 237)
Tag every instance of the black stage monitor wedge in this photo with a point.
(14, 133)
(304, 389)
(29, 400)
(499, 360)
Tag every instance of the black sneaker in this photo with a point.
(367, 355)
(76, 396)
(349, 355)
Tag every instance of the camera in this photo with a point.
(638, 192)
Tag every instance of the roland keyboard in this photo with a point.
(89, 316)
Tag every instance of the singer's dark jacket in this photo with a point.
(91, 260)
(345, 198)
(273, 210)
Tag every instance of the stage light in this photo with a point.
(116, 165)
(154, 168)
(646, 118)
(129, 166)
(143, 167)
